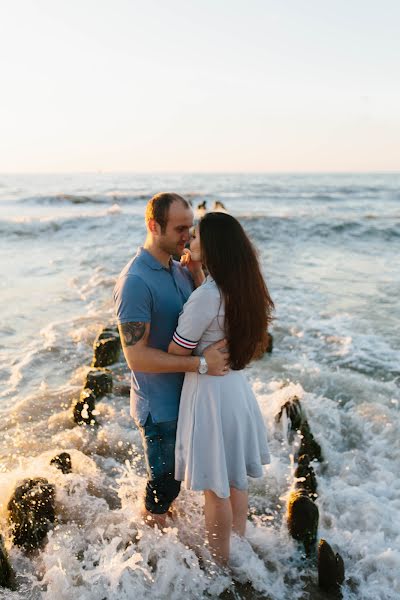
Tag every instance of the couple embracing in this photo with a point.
(187, 339)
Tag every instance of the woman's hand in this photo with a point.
(195, 267)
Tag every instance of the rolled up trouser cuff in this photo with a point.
(160, 493)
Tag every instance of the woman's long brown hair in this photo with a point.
(232, 262)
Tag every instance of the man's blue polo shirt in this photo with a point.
(146, 291)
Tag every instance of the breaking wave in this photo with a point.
(68, 199)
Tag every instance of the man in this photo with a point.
(149, 295)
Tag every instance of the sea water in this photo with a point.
(329, 248)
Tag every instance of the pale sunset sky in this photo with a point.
(199, 85)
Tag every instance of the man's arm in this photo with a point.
(140, 357)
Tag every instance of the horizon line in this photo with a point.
(159, 172)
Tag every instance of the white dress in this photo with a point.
(221, 436)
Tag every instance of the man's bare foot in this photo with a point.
(172, 513)
(152, 519)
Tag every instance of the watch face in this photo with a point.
(203, 367)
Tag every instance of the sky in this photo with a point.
(199, 85)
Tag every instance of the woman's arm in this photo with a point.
(173, 348)
(198, 313)
(216, 355)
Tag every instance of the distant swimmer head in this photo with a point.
(201, 209)
(219, 206)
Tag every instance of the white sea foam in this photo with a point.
(91, 550)
(114, 209)
(121, 556)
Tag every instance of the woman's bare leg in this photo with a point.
(240, 504)
(218, 517)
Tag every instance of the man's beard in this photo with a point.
(170, 248)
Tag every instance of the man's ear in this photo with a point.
(153, 226)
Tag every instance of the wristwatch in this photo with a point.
(203, 366)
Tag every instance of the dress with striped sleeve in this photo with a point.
(221, 436)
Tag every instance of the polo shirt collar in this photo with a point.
(149, 259)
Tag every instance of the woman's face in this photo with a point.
(195, 247)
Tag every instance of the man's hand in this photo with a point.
(217, 358)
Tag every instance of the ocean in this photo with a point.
(329, 248)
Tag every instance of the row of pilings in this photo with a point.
(302, 510)
(31, 508)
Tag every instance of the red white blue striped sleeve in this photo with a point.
(181, 341)
(197, 315)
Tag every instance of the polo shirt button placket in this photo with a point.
(170, 271)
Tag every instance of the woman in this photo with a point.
(221, 437)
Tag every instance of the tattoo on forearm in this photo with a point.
(132, 333)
